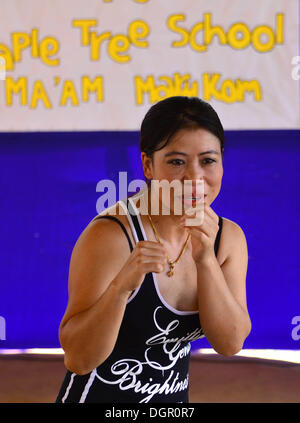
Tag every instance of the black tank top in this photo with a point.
(150, 360)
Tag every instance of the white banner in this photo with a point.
(100, 64)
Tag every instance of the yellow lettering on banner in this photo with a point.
(119, 43)
(5, 52)
(178, 85)
(85, 25)
(69, 92)
(172, 21)
(35, 43)
(229, 91)
(279, 28)
(136, 31)
(239, 43)
(209, 86)
(194, 32)
(13, 87)
(248, 86)
(183, 87)
(49, 47)
(20, 41)
(238, 36)
(211, 31)
(164, 90)
(142, 87)
(39, 93)
(96, 42)
(2, 66)
(88, 86)
(256, 38)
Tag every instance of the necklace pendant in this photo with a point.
(170, 273)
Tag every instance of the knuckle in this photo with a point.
(140, 251)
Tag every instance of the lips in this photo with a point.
(195, 191)
(194, 196)
(192, 201)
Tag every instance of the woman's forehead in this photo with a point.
(193, 138)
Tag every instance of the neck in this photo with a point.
(167, 225)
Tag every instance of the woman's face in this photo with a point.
(191, 154)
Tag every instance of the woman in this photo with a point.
(140, 284)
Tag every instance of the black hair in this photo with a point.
(170, 115)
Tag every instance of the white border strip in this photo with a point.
(42, 351)
(88, 386)
(130, 221)
(68, 387)
(174, 310)
(123, 205)
(292, 356)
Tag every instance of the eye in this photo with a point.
(176, 162)
(209, 161)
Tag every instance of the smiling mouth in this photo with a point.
(192, 200)
(194, 197)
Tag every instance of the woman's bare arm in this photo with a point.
(222, 296)
(102, 275)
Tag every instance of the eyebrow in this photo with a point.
(184, 154)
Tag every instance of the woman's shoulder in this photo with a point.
(232, 237)
(100, 224)
(116, 210)
(232, 228)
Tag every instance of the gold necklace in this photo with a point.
(170, 262)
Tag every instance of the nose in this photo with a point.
(194, 173)
(194, 180)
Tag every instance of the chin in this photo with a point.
(210, 200)
(213, 195)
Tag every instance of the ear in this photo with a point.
(147, 165)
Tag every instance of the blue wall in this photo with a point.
(48, 196)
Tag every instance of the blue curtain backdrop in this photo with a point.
(48, 196)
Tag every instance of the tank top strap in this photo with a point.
(134, 219)
(217, 241)
(122, 227)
